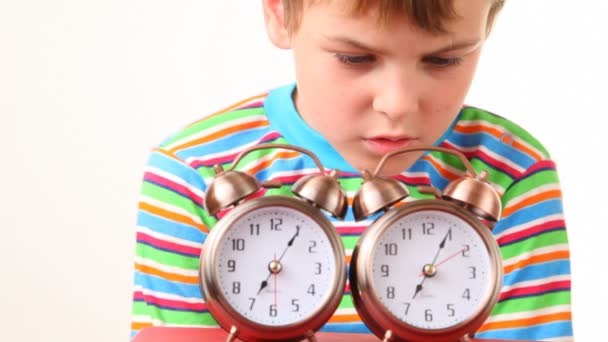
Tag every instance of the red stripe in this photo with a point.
(544, 164)
(502, 166)
(537, 289)
(256, 104)
(357, 230)
(178, 188)
(420, 180)
(172, 246)
(534, 230)
(168, 303)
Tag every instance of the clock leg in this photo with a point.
(232, 335)
(310, 336)
(388, 336)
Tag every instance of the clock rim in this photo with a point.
(249, 330)
(375, 314)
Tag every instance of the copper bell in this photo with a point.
(377, 194)
(324, 192)
(228, 188)
(475, 194)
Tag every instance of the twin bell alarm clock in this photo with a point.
(274, 267)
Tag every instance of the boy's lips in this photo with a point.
(382, 145)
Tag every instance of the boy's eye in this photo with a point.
(441, 61)
(355, 59)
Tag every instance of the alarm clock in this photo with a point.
(273, 268)
(427, 269)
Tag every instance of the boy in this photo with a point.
(371, 77)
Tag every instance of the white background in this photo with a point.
(87, 87)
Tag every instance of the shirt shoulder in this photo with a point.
(484, 135)
(223, 132)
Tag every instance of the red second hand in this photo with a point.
(444, 260)
(275, 284)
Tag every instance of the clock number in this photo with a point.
(428, 315)
(275, 224)
(238, 244)
(451, 310)
(390, 249)
(473, 273)
(406, 234)
(231, 265)
(428, 228)
(296, 306)
(311, 289)
(254, 229)
(313, 245)
(407, 308)
(273, 310)
(465, 251)
(318, 270)
(384, 270)
(390, 292)
(236, 287)
(252, 302)
(467, 294)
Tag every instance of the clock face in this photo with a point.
(276, 266)
(431, 269)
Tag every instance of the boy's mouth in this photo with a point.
(382, 145)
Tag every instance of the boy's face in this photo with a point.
(372, 88)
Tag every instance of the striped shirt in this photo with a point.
(172, 224)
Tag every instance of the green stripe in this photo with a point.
(350, 241)
(346, 302)
(532, 303)
(537, 241)
(166, 258)
(534, 181)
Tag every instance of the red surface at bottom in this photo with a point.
(164, 334)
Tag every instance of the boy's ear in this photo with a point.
(274, 18)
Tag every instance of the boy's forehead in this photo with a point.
(449, 17)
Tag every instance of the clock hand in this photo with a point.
(441, 245)
(276, 275)
(446, 259)
(289, 243)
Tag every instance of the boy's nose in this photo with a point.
(396, 98)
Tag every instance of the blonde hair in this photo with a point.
(429, 15)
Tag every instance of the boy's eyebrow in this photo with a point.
(359, 45)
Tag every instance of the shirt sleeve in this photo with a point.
(534, 303)
(171, 229)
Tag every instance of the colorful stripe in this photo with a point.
(172, 222)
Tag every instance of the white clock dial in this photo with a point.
(275, 266)
(431, 269)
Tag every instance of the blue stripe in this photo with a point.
(535, 332)
(359, 328)
(224, 144)
(534, 212)
(538, 271)
(493, 144)
(170, 228)
(176, 168)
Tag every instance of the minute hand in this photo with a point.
(441, 245)
(289, 243)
